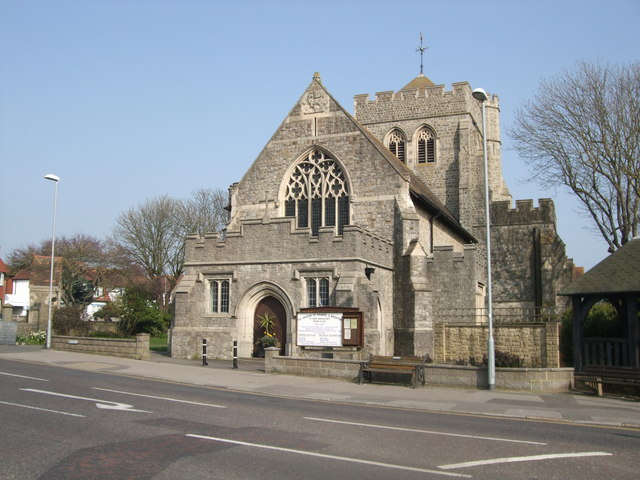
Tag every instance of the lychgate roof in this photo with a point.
(618, 273)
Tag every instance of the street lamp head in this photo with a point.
(51, 176)
(480, 95)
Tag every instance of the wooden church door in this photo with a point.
(269, 306)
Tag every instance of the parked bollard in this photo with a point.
(235, 354)
(204, 352)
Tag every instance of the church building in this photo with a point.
(377, 218)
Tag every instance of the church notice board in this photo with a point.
(329, 327)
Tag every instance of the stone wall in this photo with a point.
(528, 255)
(137, 348)
(537, 344)
(518, 379)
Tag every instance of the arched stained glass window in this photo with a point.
(396, 144)
(426, 146)
(317, 193)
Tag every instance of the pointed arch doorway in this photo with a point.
(273, 307)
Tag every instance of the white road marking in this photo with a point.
(429, 432)
(102, 404)
(23, 376)
(42, 409)
(160, 398)
(331, 457)
(550, 456)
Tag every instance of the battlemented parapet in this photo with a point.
(453, 118)
(524, 212)
(279, 241)
(529, 257)
(423, 102)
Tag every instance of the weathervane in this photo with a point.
(421, 50)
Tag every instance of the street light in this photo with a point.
(55, 179)
(480, 95)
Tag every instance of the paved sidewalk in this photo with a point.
(250, 377)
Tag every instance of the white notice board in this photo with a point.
(320, 329)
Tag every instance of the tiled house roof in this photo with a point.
(618, 273)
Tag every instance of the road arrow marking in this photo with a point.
(160, 398)
(102, 404)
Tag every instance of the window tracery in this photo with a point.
(426, 146)
(317, 193)
(396, 145)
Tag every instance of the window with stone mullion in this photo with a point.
(316, 185)
(219, 296)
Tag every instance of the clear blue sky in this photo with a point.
(127, 100)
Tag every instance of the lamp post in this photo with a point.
(480, 95)
(55, 179)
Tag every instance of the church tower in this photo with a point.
(438, 135)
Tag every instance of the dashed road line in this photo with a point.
(429, 432)
(24, 376)
(330, 457)
(550, 456)
(41, 409)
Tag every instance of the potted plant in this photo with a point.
(268, 323)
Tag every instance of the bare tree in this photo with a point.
(582, 131)
(204, 211)
(149, 234)
(153, 233)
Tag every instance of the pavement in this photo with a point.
(250, 377)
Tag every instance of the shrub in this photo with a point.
(139, 314)
(70, 320)
(502, 360)
(109, 311)
(507, 360)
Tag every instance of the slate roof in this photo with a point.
(618, 273)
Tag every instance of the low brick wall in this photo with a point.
(537, 344)
(540, 380)
(137, 348)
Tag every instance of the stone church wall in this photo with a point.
(514, 234)
(270, 253)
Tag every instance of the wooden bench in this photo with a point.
(413, 366)
(596, 377)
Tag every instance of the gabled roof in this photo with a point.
(618, 273)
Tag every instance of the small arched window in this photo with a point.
(317, 193)
(426, 146)
(396, 145)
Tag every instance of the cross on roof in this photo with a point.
(421, 49)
